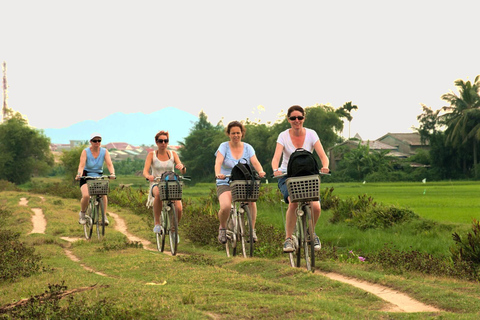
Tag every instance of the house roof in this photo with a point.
(412, 138)
(119, 146)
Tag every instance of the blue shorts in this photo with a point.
(282, 185)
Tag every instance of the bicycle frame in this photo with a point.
(236, 230)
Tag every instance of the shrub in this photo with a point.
(7, 186)
(467, 250)
(16, 259)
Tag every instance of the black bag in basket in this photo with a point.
(246, 172)
(302, 163)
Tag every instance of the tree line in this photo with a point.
(452, 132)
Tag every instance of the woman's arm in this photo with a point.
(256, 164)
(276, 159)
(218, 165)
(81, 165)
(146, 167)
(323, 156)
(178, 164)
(108, 161)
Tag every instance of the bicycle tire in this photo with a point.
(298, 245)
(231, 245)
(161, 236)
(241, 233)
(248, 231)
(309, 248)
(173, 229)
(88, 223)
(92, 217)
(102, 214)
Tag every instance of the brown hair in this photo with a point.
(161, 133)
(235, 124)
(295, 108)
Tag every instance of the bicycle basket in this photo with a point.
(305, 188)
(170, 190)
(97, 187)
(242, 190)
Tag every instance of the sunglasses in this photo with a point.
(297, 117)
(96, 140)
(162, 140)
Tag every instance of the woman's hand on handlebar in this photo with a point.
(220, 176)
(325, 170)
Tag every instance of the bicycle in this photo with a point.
(97, 188)
(169, 191)
(239, 223)
(304, 190)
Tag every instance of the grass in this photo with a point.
(201, 283)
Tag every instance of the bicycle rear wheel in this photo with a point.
(173, 229)
(247, 232)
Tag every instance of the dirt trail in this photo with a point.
(398, 302)
(38, 219)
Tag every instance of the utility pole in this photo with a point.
(5, 110)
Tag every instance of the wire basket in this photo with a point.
(97, 187)
(170, 190)
(242, 190)
(305, 188)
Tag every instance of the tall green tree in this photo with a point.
(24, 151)
(198, 149)
(463, 116)
(70, 160)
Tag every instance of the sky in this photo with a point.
(73, 61)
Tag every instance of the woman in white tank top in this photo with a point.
(158, 162)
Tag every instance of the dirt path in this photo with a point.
(38, 219)
(398, 302)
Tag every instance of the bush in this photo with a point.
(467, 250)
(16, 259)
(7, 186)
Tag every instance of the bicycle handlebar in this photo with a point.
(98, 177)
(284, 174)
(158, 179)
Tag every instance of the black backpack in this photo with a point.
(244, 171)
(302, 163)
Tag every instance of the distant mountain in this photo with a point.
(133, 128)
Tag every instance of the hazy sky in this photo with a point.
(72, 61)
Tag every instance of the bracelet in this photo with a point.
(276, 170)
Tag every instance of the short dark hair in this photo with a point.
(161, 133)
(295, 108)
(236, 124)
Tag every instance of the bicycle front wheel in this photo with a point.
(247, 233)
(232, 227)
(298, 242)
(309, 246)
(88, 226)
(173, 229)
(101, 219)
(161, 236)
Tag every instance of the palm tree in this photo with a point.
(463, 116)
(348, 108)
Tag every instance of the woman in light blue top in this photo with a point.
(91, 164)
(229, 153)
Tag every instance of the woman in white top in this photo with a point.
(288, 141)
(160, 161)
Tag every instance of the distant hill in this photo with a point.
(133, 128)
